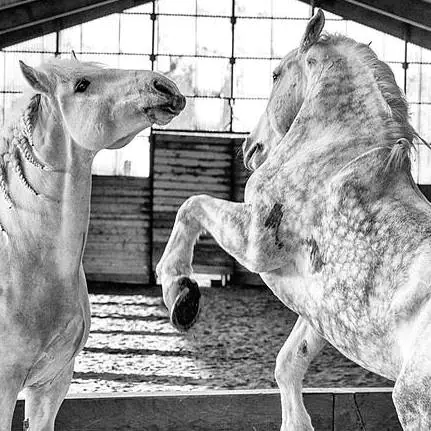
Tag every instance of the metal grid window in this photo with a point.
(221, 55)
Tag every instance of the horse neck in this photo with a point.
(54, 217)
(346, 112)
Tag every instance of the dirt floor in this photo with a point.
(133, 347)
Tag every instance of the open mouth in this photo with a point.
(162, 113)
(168, 109)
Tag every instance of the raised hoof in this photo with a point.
(185, 309)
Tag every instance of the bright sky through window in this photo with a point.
(224, 70)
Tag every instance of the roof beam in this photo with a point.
(412, 12)
(409, 19)
(27, 19)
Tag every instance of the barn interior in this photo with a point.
(221, 54)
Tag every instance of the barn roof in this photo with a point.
(21, 20)
(406, 19)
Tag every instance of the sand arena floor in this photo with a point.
(133, 347)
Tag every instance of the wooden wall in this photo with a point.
(118, 245)
(368, 409)
(183, 166)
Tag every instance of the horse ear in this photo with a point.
(313, 30)
(37, 80)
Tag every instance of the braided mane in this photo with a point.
(19, 145)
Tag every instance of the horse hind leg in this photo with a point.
(412, 390)
(43, 402)
(293, 360)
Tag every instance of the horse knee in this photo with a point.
(284, 368)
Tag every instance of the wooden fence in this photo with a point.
(248, 410)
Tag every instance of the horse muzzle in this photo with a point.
(175, 101)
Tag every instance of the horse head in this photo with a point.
(289, 87)
(100, 107)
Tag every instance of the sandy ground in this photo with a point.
(133, 347)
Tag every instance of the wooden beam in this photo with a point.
(359, 11)
(412, 12)
(239, 410)
(29, 19)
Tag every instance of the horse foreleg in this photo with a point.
(292, 363)
(10, 388)
(43, 402)
(412, 390)
(242, 230)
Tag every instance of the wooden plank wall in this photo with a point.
(183, 166)
(259, 410)
(132, 218)
(118, 246)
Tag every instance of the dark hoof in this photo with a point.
(185, 309)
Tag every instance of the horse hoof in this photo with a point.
(185, 309)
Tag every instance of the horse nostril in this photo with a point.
(179, 102)
(163, 88)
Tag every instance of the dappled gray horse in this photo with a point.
(332, 221)
(75, 109)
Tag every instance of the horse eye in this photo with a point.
(81, 85)
(275, 76)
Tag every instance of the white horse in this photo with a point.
(75, 110)
(332, 221)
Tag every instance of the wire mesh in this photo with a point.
(221, 54)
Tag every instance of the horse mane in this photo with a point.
(17, 135)
(400, 134)
(17, 145)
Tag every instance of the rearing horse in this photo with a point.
(332, 221)
(75, 109)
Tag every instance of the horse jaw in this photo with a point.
(160, 115)
(260, 142)
(122, 142)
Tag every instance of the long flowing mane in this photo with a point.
(401, 136)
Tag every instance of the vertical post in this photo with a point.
(3, 92)
(151, 229)
(312, 7)
(57, 43)
(227, 277)
(405, 63)
(153, 18)
(232, 66)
